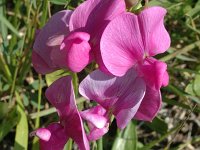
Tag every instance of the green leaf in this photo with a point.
(35, 84)
(4, 109)
(59, 2)
(8, 123)
(8, 24)
(193, 88)
(197, 85)
(189, 89)
(158, 125)
(50, 78)
(127, 139)
(195, 11)
(21, 136)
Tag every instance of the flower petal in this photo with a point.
(125, 115)
(96, 133)
(106, 89)
(154, 73)
(61, 95)
(57, 139)
(150, 105)
(132, 96)
(121, 44)
(40, 65)
(77, 50)
(95, 115)
(155, 37)
(75, 129)
(93, 15)
(50, 37)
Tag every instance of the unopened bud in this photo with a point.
(131, 3)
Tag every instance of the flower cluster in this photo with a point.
(127, 83)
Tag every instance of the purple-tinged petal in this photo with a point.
(50, 37)
(77, 50)
(74, 127)
(96, 115)
(106, 89)
(93, 15)
(154, 73)
(120, 95)
(150, 105)
(155, 37)
(40, 65)
(57, 139)
(125, 115)
(132, 96)
(121, 44)
(61, 95)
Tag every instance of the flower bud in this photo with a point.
(131, 3)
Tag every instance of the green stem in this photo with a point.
(52, 110)
(5, 68)
(14, 82)
(68, 146)
(37, 121)
(100, 144)
(44, 13)
(3, 28)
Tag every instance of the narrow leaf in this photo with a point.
(21, 136)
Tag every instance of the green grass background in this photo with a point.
(24, 108)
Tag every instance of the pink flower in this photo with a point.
(124, 97)
(61, 95)
(71, 39)
(132, 40)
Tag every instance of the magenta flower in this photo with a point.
(120, 96)
(131, 40)
(71, 39)
(61, 95)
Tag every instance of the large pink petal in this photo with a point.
(61, 95)
(121, 44)
(77, 50)
(52, 138)
(155, 37)
(93, 15)
(50, 37)
(150, 105)
(106, 89)
(155, 73)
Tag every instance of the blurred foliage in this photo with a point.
(24, 108)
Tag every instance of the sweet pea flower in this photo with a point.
(131, 41)
(120, 96)
(54, 137)
(71, 40)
